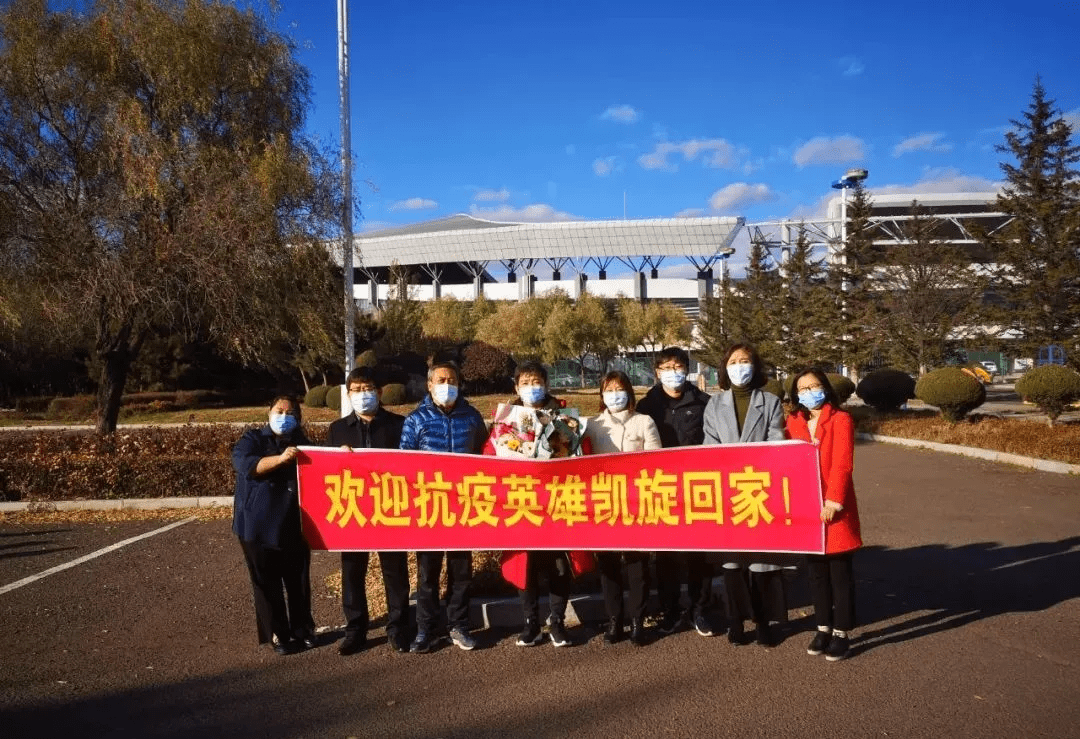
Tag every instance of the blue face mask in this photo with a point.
(532, 394)
(282, 423)
(616, 400)
(444, 394)
(740, 374)
(672, 379)
(812, 399)
(365, 402)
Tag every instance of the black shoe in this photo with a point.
(837, 649)
(638, 635)
(309, 640)
(735, 634)
(557, 632)
(422, 644)
(703, 626)
(764, 635)
(819, 643)
(398, 641)
(531, 635)
(614, 632)
(287, 647)
(352, 643)
(668, 624)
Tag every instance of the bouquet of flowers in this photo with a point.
(537, 433)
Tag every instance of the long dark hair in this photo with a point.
(620, 377)
(818, 374)
(758, 380)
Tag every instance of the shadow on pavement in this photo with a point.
(923, 590)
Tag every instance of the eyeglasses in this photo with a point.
(815, 386)
(672, 367)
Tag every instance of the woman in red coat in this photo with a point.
(819, 420)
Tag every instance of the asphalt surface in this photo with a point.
(968, 599)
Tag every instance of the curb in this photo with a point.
(1043, 465)
(125, 504)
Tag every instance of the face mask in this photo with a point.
(615, 400)
(365, 401)
(812, 399)
(282, 423)
(672, 379)
(532, 394)
(444, 394)
(740, 374)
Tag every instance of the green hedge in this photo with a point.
(1052, 388)
(951, 389)
(886, 389)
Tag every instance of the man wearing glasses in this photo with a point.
(678, 409)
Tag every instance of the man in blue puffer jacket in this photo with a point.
(443, 422)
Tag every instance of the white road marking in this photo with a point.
(92, 555)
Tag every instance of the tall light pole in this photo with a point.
(346, 183)
(850, 179)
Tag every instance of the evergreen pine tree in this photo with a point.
(1038, 252)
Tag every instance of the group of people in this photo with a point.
(672, 413)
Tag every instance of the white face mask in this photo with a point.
(740, 374)
(532, 394)
(672, 379)
(615, 400)
(444, 394)
(282, 423)
(364, 402)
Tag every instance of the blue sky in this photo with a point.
(553, 110)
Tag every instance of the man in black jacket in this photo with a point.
(370, 426)
(678, 409)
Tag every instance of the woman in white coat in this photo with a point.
(620, 428)
(744, 413)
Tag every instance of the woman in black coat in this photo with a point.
(266, 518)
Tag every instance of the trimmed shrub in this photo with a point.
(1052, 388)
(486, 369)
(316, 396)
(954, 391)
(75, 408)
(394, 394)
(886, 389)
(775, 387)
(33, 405)
(843, 387)
(366, 359)
(333, 397)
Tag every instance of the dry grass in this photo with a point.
(1027, 438)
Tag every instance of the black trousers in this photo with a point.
(759, 596)
(459, 578)
(281, 584)
(395, 576)
(832, 589)
(547, 565)
(699, 575)
(611, 583)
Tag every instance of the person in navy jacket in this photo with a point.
(266, 519)
(443, 422)
(370, 426)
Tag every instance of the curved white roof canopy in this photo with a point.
(463, 238)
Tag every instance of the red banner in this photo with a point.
(733, 497)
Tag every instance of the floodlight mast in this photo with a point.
(346, 183)
(851, 178)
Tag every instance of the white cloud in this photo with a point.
(717, 153)
(620, 114)
(739, 195)
(946, 179)
(921, 142)
(850, 66)
(492, 196)
(1072, 117)
(414, 204)
(603, 167)
(535, 213)
(690, 213)
(824, 150)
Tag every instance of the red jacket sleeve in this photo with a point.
(838, 482)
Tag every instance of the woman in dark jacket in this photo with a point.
(266, 518)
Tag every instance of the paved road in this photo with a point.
(969, 596)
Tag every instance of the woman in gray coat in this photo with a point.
(744, 413)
